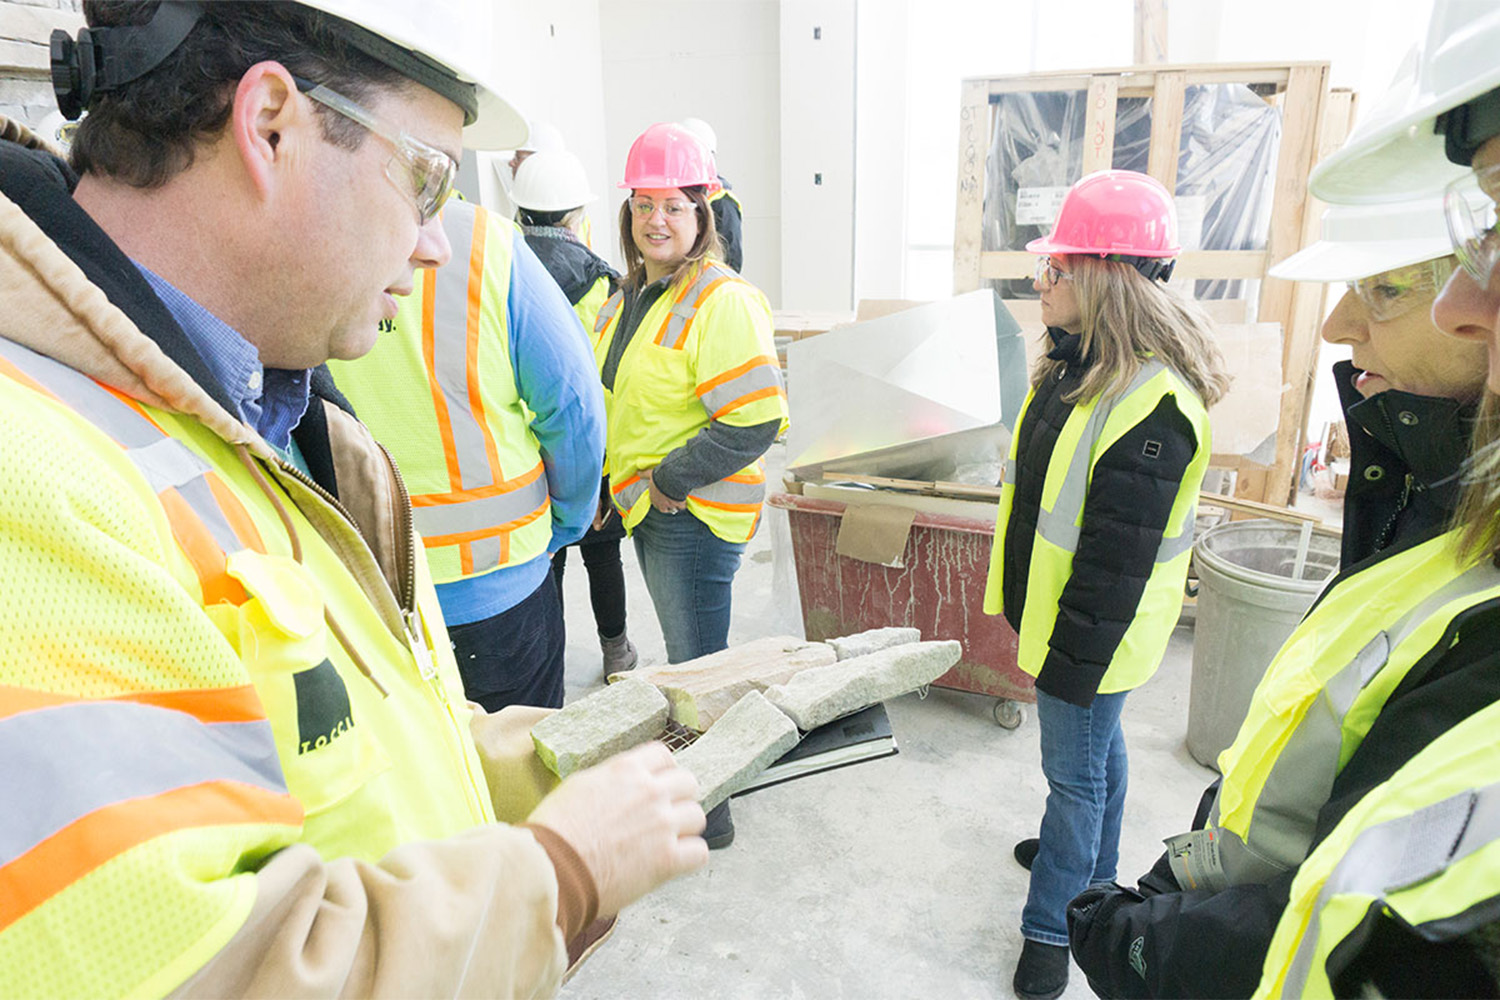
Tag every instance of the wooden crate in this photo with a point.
(1315, 121)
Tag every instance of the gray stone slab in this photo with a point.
(872, 641)
(822, 694)
(608, 721)
(743, 743)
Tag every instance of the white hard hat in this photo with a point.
(454, 34)
(1396, 153)
(544, 137)
(1364, 240)
(704, 131)
(551, 180)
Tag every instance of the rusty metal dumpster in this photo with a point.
(940, 591)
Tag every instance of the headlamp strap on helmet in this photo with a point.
(103, 59)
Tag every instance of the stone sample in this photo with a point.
(702, 690)
(823, 694)
(744, 742)
(872, 641)
(603, 724)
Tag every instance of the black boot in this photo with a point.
(720, 830)
(1042, 972)
(1025, 851)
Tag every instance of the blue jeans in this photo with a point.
(688, 571)
(1083, 759)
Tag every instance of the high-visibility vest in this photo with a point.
(724, 192)
(1318, 698)
(222, 721)
(1422, 847)
(678, 375)
(439, 391)
(593, 300)
(1090, 430)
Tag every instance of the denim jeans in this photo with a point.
(1083, 759)
(515, 657)
(688, 571)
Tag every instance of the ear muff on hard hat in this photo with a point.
(102, 59)
(667, 155)
(1117, 215)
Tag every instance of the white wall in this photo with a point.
(665, 60)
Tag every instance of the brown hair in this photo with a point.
(705, 246)
(1126, 316)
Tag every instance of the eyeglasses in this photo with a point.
(1392, 294)
(423, 173)
(1476, 244)
(643, 208)
(1049, 274)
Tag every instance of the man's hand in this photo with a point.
(606, 508)
(635, 821)
(660, 500)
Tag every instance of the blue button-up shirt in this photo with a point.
(272, 400)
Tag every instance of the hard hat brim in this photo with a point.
(1045, 244)
(499, 124)
(1333, 261)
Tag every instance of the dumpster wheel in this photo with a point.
(1008, 714)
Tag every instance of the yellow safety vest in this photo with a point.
(593, 300)
(1424, 847)
(1319, 697)
(724, 192)
(1090, 430)
(439, 392)
(702, 352)
(229, 717)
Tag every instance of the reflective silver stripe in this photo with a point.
(763, 376)
(607, 311)
(450, 347)
(1281, 824)
(485, 512)
(1009, 473)
(674, 330)
(1400, 853)
(165, 462)
(1059, 526)
(626, 498)
(46, 750)
(727, 491)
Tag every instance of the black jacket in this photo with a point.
(731, 228)
(1130, 497)
(1159, 940)
(574, 267)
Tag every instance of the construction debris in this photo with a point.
(822, 694)
(606, 722)
(864, 643)
(745, 740)
(702, 690)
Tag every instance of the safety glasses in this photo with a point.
(423, 173)
(1469, 204)
(1392, 294)
(643, 208)
(1049, 274)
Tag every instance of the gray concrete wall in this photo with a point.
(25, 26)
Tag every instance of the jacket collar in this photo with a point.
(1066, 347)
(1427, 436)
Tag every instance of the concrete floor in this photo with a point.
(889, 878)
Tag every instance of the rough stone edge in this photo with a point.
(792, 698)
(750, 717)
(559, 726)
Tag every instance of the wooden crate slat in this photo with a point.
(973, 152)
(1194, 264)
(1166, 127)
(1099, 132)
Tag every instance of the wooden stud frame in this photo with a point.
(1314, 122)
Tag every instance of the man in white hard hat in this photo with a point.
(238, 759)
(728, 212)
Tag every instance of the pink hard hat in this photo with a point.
(1114, 212)
(667, 155)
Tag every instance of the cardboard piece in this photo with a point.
(875, 533)
(1245, 420)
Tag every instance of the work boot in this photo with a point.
(720, 830)
(1042, 972)
(619, 654)
(1025, 851)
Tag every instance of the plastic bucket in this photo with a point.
(1251, 596)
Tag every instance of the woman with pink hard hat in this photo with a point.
(1096, 522)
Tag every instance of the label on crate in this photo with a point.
(1037, 206)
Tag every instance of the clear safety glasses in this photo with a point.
(1469, 204)
(1392, 294)
(1049, 274)
(421, 172)
(673, 210)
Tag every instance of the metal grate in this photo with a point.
(677, 736)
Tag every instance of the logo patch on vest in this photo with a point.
(323, 712)
(1151, 449)
(1138, 956)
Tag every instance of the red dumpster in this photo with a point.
(939, 591)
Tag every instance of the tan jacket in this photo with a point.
(474, 915)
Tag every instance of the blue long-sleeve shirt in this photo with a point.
(556, 377)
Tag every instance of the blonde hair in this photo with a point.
(1126, 316)
(1478, 515)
